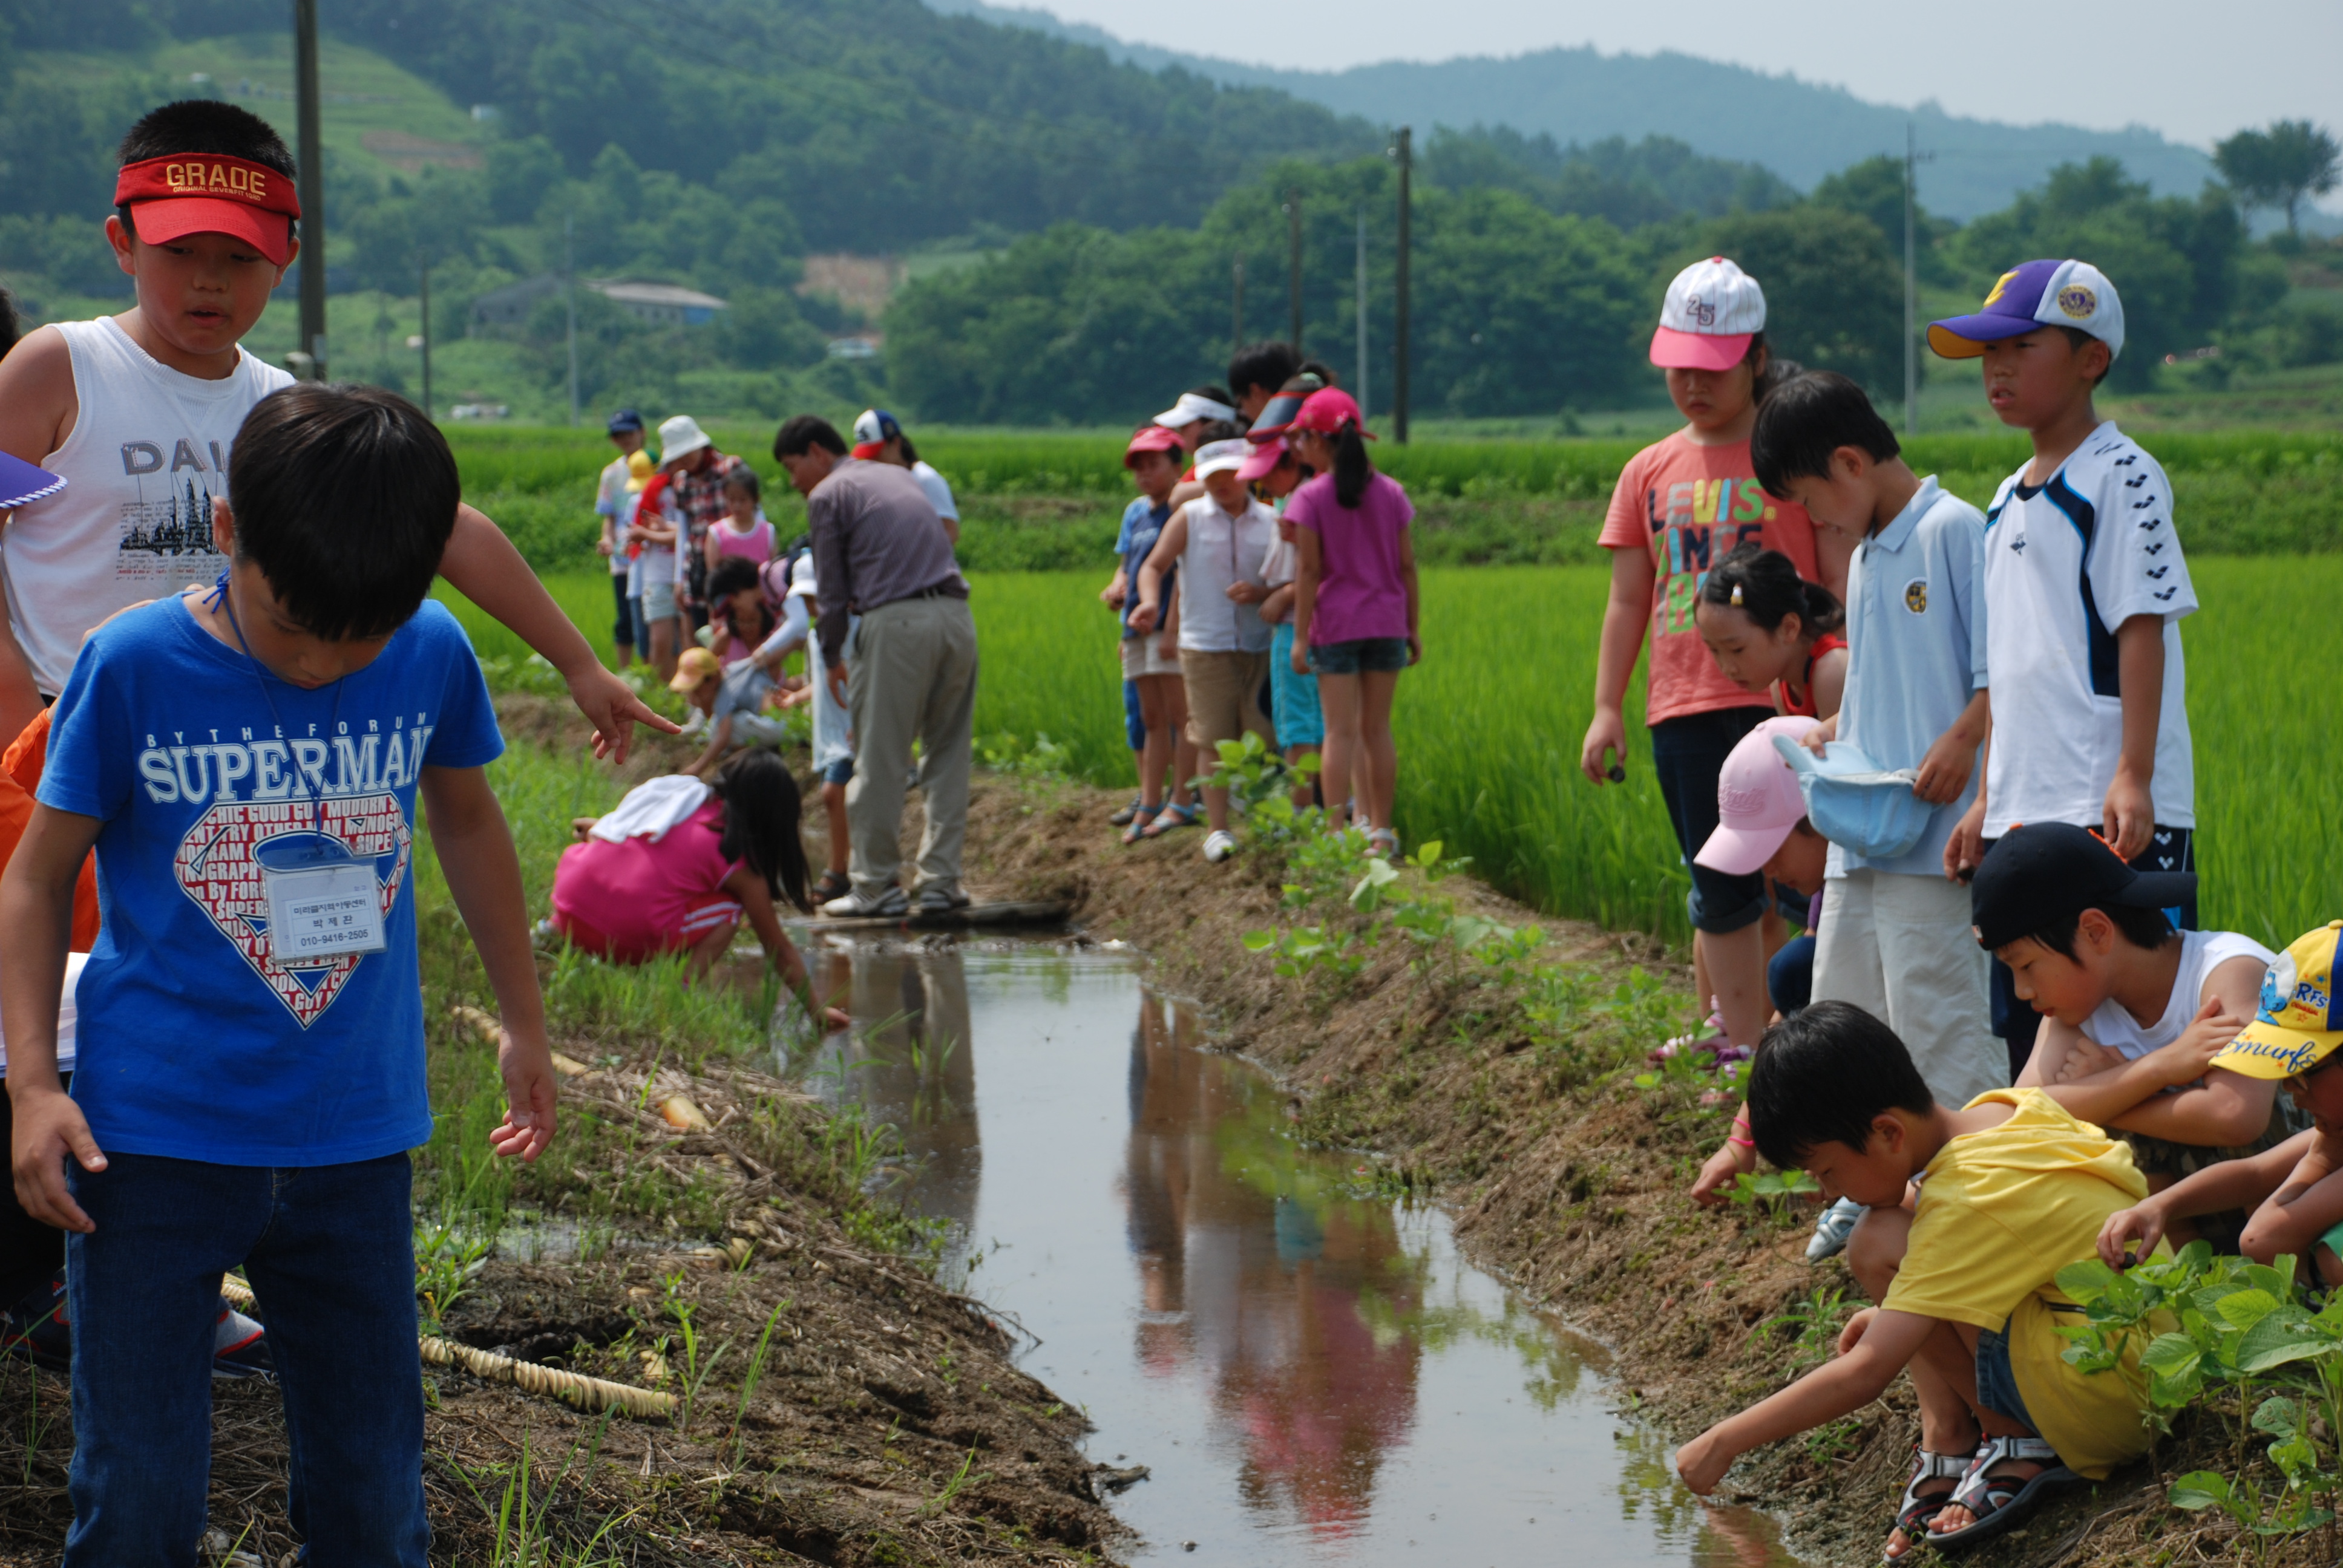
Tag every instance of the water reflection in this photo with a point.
(1308, 1367)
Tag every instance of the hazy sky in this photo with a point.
(2192, 70)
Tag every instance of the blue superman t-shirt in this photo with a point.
(195, 1042)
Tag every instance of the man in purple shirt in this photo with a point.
(880, 552)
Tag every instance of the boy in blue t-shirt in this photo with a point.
(246, 761)
(2085, 589)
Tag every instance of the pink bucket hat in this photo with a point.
(1758, 800)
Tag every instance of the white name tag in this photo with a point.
(318, 914)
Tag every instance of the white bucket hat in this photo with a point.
(681, 436)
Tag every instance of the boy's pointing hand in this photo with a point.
(612, 706)
(48, 1127)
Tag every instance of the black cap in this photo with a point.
(2044, 873)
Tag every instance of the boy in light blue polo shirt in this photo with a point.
(1894, 937)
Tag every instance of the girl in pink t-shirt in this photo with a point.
(743, 530)
(1355, 604)
(690, 861)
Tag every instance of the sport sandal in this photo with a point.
(1996, 1502)
(1170, 819)
(1917, 1508)
(1139, 820)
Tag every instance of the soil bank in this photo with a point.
(1573, 1187)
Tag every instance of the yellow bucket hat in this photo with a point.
(639, 470)
(2299, 1023)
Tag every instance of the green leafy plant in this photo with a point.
(1814, 1325)
(1771, 1190)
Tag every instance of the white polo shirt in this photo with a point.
(1916, 634)
(2065, 566)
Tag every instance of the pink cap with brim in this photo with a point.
(1151, 438)
(1263, 462)
(1673, 350)
(1758, 800)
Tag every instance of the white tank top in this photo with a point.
(1220, 550)
(149, 452)
(2201, 952)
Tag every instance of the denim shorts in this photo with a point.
(839, 772)
(1361, 656)
(1687, 754)
(1997, 1380)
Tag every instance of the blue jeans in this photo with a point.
(330, 1251)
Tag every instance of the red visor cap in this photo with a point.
(210, 193)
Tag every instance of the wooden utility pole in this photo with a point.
(1293, 264)
(1358, 310)
(311, 186)
(1399, 325)
(1236, 310)
(426, 284)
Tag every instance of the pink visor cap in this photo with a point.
(1263, 462)
(1712, 311)
(1758, 800)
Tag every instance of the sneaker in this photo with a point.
(1831, 1231)
(936, 899)
(1219, 845)
(860, 906)
(239, 1346)
(37, 1329)
(1123, 819)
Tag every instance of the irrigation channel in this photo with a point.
(1299, 1357)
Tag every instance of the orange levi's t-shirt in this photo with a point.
(1688, 506)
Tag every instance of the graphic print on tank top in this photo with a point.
(147, 455)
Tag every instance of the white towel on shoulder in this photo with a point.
(651, 808)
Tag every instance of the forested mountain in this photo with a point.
(877, 124)
(717, 143)
(1801, 131)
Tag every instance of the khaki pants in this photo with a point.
(1223, 699)
(913, 674)
(1900, 947)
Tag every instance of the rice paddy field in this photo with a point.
(1489, 725)
(1050, 501)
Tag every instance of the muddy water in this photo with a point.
(1304, 1363)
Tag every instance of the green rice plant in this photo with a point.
(755, 1375)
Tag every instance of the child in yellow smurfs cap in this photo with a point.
(2296, 1190)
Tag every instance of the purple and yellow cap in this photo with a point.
(2033, 295)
